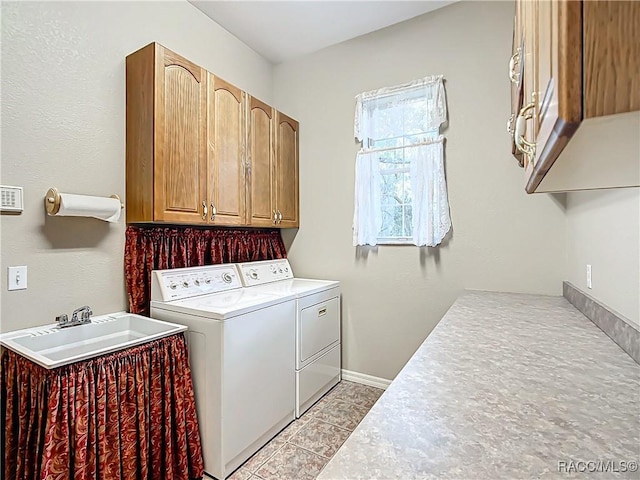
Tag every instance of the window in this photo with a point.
(400, 189)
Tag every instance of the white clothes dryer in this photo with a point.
(317, 325)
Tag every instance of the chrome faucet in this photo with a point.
(85, 317)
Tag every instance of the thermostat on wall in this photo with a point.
(10, 199)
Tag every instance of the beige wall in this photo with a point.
(63, 125)
(604, 232)
(502, 239)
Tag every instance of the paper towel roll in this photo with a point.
(102, 208)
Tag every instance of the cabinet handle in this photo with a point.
(527, 148)
(515, 60)
(275, 217)
(204, 210)
(510, 129)
(213, 212)
(322, 311)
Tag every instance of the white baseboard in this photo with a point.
(365, 379)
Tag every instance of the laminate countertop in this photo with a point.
(506, 386)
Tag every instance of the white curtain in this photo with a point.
(390, 113)
(367, 213)
(428, 91)
(431, 220)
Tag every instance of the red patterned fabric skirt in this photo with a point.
(129, 415)
(153, 247)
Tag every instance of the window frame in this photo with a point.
(391, 118)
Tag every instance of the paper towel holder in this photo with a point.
(52, 201)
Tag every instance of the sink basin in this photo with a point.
(51, 346)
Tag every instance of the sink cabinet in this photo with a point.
(112, 416)
(201, 151)
(576, 93)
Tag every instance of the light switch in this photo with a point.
(17, 278)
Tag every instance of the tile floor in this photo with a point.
(302, 449)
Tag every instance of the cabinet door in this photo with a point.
(225, 119)
(180, 169)
(286, 175)
(515, 75)
(529, 59)
(261, 163)
(556, 82)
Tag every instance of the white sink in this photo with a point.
(51, 346)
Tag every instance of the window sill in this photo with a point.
(401, 242)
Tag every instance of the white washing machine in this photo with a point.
(242, 354)
(318, 356)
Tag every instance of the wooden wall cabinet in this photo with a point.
(261, 135)
(286, 171)
(226, 152)
(201, 151)
(576, 68)
(166, 138)
(273, 156)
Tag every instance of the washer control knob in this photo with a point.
(286, 269)
(173, 286)
(207, 280)
(185, 284)
(196, 282)
(226, 277)
(280, 270)
(253, 274)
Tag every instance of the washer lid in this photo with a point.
(225, 305)
(299, 287)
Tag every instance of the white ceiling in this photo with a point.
(282, 30)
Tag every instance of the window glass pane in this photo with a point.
(385, 143)
(407, 188)
(391, 186)
(396, 203)
(393, 221)
(408, 218)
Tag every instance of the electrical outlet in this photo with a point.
(589, 276)
(17, 278)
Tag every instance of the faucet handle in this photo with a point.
(85, 314)
(62, 319)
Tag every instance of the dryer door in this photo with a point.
(319, 328)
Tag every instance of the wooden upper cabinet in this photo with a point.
(581, 94)
(273, 160)
(200, 151)
(226, 152)
(612, 51)
(552, 82)
(181, 161)
(166, 138)
(286, 172)
(516, 78)
(261, 164)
